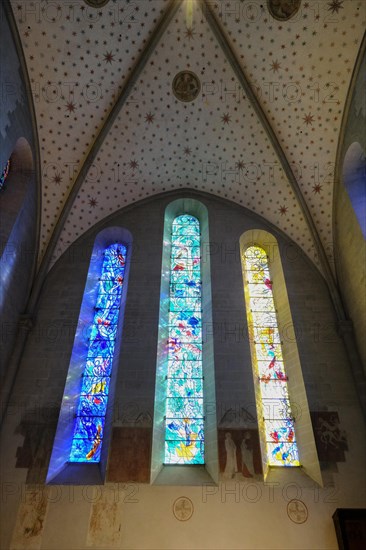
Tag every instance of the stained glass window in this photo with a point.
(268, 362)
(4, 174)
(184, 437)
(92, 407)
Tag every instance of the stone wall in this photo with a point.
(350, 243)
(241, 512)
(19, 200)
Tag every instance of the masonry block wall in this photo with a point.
(226, 515)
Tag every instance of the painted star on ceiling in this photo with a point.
(335, 6)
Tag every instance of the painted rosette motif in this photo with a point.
(276, 409)
(184, 432)
(92, 407)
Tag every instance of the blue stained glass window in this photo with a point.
(92, 407)
(4, 174)
(184, 430)
(268, 362)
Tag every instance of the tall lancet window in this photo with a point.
(184, 428)
(275, 416)
(84, 429)
(95, 381)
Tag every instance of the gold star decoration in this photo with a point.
(189, 33)
(149, 118)
(283, 210)
(317, 188)
(108, 57)
(335, 6)
(275, 66)
(57, 179)
(70, 107)
(308, 119)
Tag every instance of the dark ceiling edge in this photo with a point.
(35, 146)
(244, 82)
(338, 178)
(157, 33)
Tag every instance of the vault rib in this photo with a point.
(244, 82)
(157, 33)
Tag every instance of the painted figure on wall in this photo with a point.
(239, 453)
(231, 467)
(247, 466)
(330, 438)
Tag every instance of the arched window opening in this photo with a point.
(184, 446)
(92, 407)
(354, 177)
(18, 238)
(84, 428)
(17, 180)
(276, 420)
(184, 437)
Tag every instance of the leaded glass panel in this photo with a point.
(184, 440)
(92, 406)
(267, 351)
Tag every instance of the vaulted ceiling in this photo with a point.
(108, 72)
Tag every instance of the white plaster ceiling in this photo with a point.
(299, 69)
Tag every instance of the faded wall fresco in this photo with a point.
(239, 453)
(330, 438)
(30, 520)
(105, 519)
